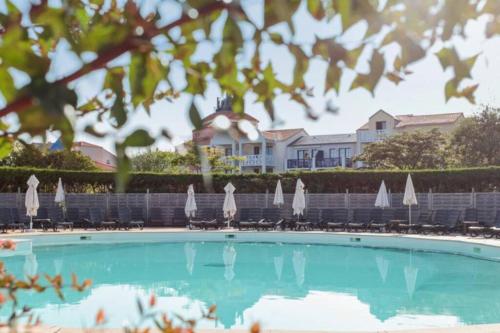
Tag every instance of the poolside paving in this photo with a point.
(451, 237)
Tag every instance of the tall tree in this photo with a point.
(476, 142)
(414, 150)
(24, 155)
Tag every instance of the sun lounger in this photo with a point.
(436, 222)
(399, 221)
(42, 220)
(379, 219)
(203, 216)
(73, 215)
(5, 218)
(156, 217)
(488, 230)
(96, 220)
(57, 220)
(16, 222)
(311, 219)
(334, 218)
(360, 220)
(218, 223)
(179, 218)
(125, 220)
(249, 218)
(271, 219)
(451, 223)
(471, 218)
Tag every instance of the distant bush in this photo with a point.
(452, 180)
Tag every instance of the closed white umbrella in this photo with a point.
(382, 200)
(60, 195)
(299, 199)
(278, 195)
(229, 207)
(190, 208)
(410, 198)
(299, 266)
(229, 258)
(31, 201)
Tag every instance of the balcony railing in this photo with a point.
(320, 163)
(250, 160)
(372, 136)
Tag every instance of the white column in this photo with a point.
(263, 154)
(240, 153)
(233, 151)
(313, 159)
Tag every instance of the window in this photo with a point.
(380, 125)
(228, 151)
(320, 155)
(302, 154)
(108, 162)
(345, 152)
(269, 150)
(256, 150)
(333, 153)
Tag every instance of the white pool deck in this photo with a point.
(461, 240)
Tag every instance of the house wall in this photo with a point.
(382, 116)
(280, 151)
(98, 155)
(292, 151)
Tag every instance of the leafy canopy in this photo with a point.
(415, 150)
(476, 141)
(99, 32)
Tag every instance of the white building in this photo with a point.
(294, 149)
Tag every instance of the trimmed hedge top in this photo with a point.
(359, 181)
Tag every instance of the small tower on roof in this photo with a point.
(224, 104)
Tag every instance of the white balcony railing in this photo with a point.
(250, 160)
(372, 136)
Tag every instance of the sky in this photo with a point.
(421, 93)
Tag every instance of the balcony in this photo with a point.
(256, 160)
(320, 163)
(250, 160)
(372, 136)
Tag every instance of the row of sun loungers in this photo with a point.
(441, 221)
(54, 219)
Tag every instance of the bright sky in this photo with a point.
(421, 93)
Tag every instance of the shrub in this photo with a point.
(449, 180)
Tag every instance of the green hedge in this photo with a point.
(362, 181)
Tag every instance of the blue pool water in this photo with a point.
(283, 286)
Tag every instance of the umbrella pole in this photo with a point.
(409, 214)
(31, 223)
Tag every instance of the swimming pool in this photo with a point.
(281, 285)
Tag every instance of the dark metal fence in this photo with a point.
(486, 202)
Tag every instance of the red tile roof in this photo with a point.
(423, 120)
(229, 114)
(428, 119)
(279, 135)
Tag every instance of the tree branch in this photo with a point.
(129, 44)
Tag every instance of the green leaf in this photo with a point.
(5, 147)
(7, 86)
(195, 117)
(369, 81)
(333, 76)
(139, 138)
(316, 9)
